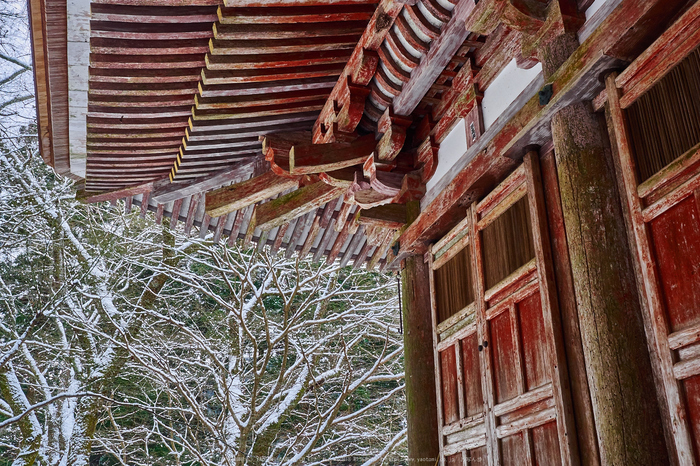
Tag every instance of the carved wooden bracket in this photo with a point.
(393, 128)
(538, 22)
(351, 101)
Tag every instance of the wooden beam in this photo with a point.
(281, 231)
(289, 3)
(256, 111)
(90, 198)
(258, 100)
(204, 226)
(285, 208)
(159, 213)
(301, 225)
(362, 255)
(319, 158)
(354, 243)
(275, 60)
(325, 239)
(214, 77)
(340, 240)
(240, 195)
(191, 211)
(285, 31)
(236, 227)
(221, 222)
(299, 14)
(576, 76)
(391, 216)
(144, 203)
(174, 191)
(175, 213)
(300, 44)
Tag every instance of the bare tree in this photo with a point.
(274, 361)
(122, 339)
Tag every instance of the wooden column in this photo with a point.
(618, 365)
(580, 393)
(419, 366)
(617, 359)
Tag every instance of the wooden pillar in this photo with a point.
(580, 393)
(618, 365)
(419, 365)
(617, 359)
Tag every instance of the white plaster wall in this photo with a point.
(594, 7)
(505, 96)
(451, 149)
(507, 86)
(78, 12)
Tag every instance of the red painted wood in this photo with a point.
(691, 388)
(286, 31)
(477, 456)
(514, 450)
(454, 460)
(298, 14)
(144, 203)
(676, 243)
(546, 445)
(533, 342)
(505, 366)
(473, 395)
(275, 60)
(448, 372)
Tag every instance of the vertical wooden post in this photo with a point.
(580, 393)
(419, 365)
(618, 365)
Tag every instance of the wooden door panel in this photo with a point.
(473, 394)
(533, 342)
(477, 456)
(500, 363)
(450, 396)
(514, 451)
(691, 389)
(454, 460)
(546, 445)
(506, 372)
(676, 242)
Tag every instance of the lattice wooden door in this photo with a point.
(501, 370)
(656, 141)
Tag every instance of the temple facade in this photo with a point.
(530, 167)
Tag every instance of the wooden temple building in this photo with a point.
(531, 166)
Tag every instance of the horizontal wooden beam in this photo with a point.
(318, 158)
(299, 14)
(259, 100)
(264, 75)
(89, 197)
(291, 3)
(176, 191)
(290, 206)
(391, 216)
(275, 60)
(240, 195)
(299, 44)
(286, 31)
